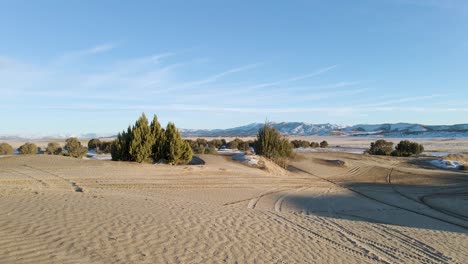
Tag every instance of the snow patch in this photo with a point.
(251, 160)
(446, 164)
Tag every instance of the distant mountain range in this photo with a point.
(303, 129)
(306, 129)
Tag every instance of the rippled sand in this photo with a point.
(369, 210)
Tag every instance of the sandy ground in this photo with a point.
(56, 209)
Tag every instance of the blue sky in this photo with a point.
(94, 66)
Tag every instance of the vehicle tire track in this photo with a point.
(41, 182)
(73, 184)
(316, 236)
(423, 202)
(280, 200)
(423, 252)
(379, 201)
(428, 255)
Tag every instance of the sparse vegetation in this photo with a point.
(150, 143)
(324, 144)
(94, 144)
(305, 144)
(6, 149)
(74, 148)
(271, 145)
(28, 149)
(243, 146)
(106, 147)
(300, 143)
(380, 147)
(407, 148)
(53, 148)
(314, 145)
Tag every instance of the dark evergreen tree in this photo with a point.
(407, 148)
(157, 133)
(175, 148)
(380, 147)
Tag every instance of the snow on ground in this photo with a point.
(93, 155)
(335, 149)
(226, 150)
(251, 160)
(446, 164)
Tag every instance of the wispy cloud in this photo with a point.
(291, 79)
(403, 100)
(215, 77)
(250, 110)
(77, 54)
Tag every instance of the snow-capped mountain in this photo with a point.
(286, 128)
(306, 129)
(300, 129)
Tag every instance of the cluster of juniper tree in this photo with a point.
(72, 148)
(405, 148)
(203, 146)
(149, 142)
(297, 143)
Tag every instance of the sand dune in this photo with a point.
(368, 210)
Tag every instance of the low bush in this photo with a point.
(105, 147)
(380, 147)
(324, 144)
(300, 143)
(6, 149)
(74, 148)
(28, 149)
(271, 145)
(407, 148)
(53, 148)
(94, 144)
(314, 144)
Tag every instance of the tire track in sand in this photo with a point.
(75, 187)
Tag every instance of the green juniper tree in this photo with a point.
(142, 140)
(271, 145)
(176, 150)
(407, 148)
(380, 147)
(157, 133)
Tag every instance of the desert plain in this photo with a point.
(327, 207)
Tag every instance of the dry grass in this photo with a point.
(457, 157)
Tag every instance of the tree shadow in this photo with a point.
(441, 206)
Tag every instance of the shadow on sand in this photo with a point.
(440, 206)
